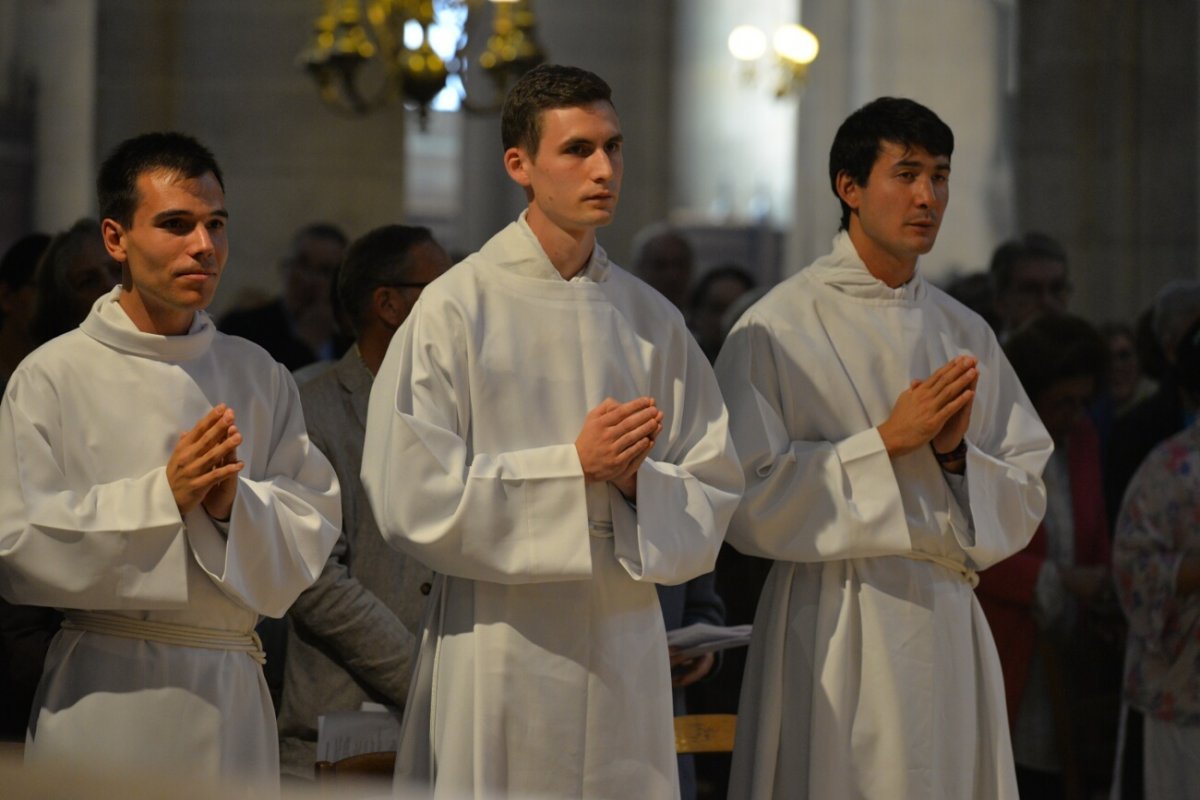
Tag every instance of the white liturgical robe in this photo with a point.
(872, 672)
(543, 666)
(88, 523)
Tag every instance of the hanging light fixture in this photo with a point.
(795, 47)
(367, 53)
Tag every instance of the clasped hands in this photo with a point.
(204, 465)
(935, 411)
(615, 440)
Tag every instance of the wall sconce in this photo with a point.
(795, 48)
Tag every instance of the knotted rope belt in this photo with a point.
(969, 575)
(166, 633)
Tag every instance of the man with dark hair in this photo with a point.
(889, 454)
(713, 296)
(1030, 277)
(163, 493)
(351, 635)
(663, 258)
(74, 272)
(18, 292)
(298, 328)
(548, 438)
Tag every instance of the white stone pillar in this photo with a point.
(60, 45)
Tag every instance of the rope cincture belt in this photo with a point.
(165, 633)
(969, 575)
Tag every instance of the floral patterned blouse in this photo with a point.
(1158, 524)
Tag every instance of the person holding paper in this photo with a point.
(545, 434)
(889, 454)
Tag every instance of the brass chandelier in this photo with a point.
(361, 61)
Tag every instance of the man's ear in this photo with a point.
(389, 305)
(113, 234)
(847, 189)
(515, 163)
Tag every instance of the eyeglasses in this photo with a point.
(407, 285)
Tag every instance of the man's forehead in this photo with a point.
(893, 152)
(565, 121)
(158, 184)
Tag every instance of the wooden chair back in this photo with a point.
(369, 769)
(705, 733)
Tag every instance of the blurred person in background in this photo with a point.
(1156, 558)
(75, 271)
(299, 326)
(18, 292)
(1061, 682)
(1030, 279)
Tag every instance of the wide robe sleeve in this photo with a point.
(286, 516)
(510, 517)
(113, 545)
(1007, 450)
(687, 494)
(123, 545)
(817, 500)
(843, 495)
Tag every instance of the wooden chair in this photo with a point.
(366, 770)
(705, 733)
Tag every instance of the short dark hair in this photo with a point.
(52, 314)
(545, 87)
(116, 184)
(320, 230)
(887, 119)
(379, 257)
(732, 272)
(1055, 347)
(1032, 245)
(19, 265)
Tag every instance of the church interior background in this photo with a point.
(1077, 118)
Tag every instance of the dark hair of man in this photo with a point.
(377, 258)
(176, 153)
(897, 120)
(320, 230)
(723, 272)
(543, 88)
(1030, 246)
(1053, 348)
(21, 258)
(19, 265)
(52, 310)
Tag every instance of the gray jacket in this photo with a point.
(352, 633)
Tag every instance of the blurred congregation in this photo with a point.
(1073, 238)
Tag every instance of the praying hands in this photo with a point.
(615, 440)
(204, 465)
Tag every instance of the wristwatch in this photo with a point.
(957, 454)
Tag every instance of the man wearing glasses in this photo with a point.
(351, 634)
(1030, 276)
